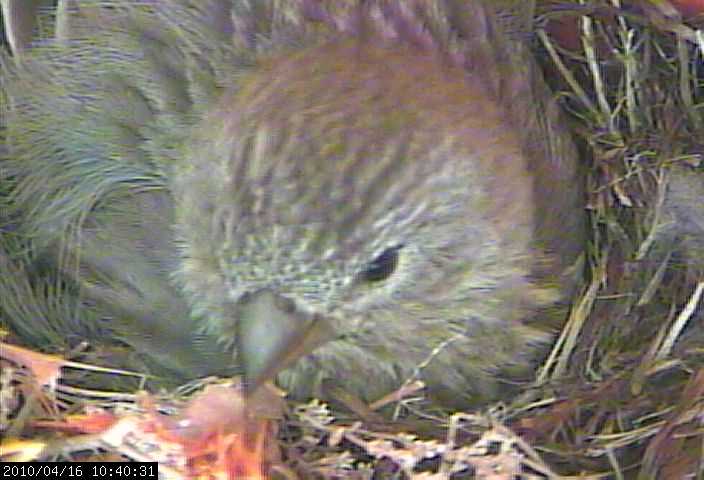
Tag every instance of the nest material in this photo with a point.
(622, 394)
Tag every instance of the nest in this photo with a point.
(621, 395)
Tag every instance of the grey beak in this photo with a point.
(272, 334)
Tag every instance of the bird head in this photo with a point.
(375, 190)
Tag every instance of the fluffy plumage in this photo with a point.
(394, 170)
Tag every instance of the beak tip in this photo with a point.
(270, 338)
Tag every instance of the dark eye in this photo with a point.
(382, 266)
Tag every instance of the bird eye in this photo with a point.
(382, 266)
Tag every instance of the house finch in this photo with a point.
(383, 187)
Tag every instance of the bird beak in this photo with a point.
(272, 335)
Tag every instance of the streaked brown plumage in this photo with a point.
(394, 171)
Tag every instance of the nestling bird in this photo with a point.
(212, 181)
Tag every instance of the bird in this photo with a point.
(357, 193)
